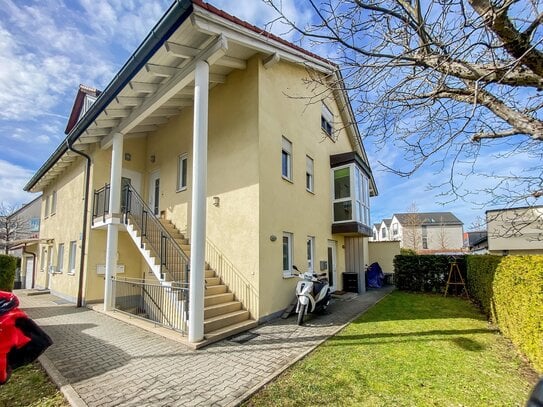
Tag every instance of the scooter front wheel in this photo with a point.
(301, 314)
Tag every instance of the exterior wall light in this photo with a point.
(273, 238)
(152, 158)
(216, 201)
(127, 156)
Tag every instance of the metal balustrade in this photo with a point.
(165, 305)
(174, 264)
(100, 207)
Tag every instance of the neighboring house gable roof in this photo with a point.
(205, 20)
(387, 222)
(429, 218)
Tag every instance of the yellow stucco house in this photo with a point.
(209, 166)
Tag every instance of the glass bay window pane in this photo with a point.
(342, 183)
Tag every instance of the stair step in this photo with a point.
(215, 289)
(210, 273)
(213, 281)
(221, 309)
(210, 300)
(221, 321)
(181, 242)
(226, 332)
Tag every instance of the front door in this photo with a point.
(332, 256)
(154, 192)
(29, 272)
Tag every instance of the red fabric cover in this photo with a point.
(10, 335)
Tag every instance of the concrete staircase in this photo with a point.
(224, 316)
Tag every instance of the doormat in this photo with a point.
(338, 292)
(244, 337)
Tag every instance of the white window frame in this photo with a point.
(54, 202)
(286, 149)
(360, 208)
(394, 229)
(180, 159)
(327, 117)
(60, 258)
(309, 174)
(310, 248)
(72, 258)
(50, 258)
(46, 213)
(290, 246)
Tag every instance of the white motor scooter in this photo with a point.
(313, 292)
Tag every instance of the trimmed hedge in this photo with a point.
(510, 291)
(424, 273)
(8, 265)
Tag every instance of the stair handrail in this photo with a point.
(240, 285)
(148, 215)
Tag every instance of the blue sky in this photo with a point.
(49, 47)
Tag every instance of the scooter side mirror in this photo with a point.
(295, 268)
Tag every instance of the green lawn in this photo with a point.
(408, 350)
(30, 386)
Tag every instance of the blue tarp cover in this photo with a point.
(375, 276)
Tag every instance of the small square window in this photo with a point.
(286, 159)
(309, 166)
(182, 172)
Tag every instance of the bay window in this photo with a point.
(351, 195)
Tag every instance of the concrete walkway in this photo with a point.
(101, 361)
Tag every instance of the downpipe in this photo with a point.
(85, 217)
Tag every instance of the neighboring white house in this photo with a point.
(428, 231)
(381, 231)
(515, 230)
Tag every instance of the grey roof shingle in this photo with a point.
(429, 218)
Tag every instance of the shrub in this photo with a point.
(480, 271)
(510, 290)
(424, 273)
(407, 252)
(8, 264)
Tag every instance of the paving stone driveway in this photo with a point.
(111, 363)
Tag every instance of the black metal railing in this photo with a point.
(174, 263)
(166, 305)
(100, 207)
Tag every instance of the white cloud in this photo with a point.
(12, 180)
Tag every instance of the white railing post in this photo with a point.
(113, 226)
(199, 186)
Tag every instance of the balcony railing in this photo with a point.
(100, 207)
(165, 305)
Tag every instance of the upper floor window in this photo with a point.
(327, 119)
(383, 233)
(46, 214)
(182, 172)
(395, 229)
(54, 202)
(286, 159)
(351, 195)
(309, 183)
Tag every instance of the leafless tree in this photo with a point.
(412, 228)
(442, 238)
(445, 81)
(12, 226)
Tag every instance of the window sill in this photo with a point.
(285, 277)
(328, 135)
(311, 192)
(181, 190)
(287, 179)
(71, 273)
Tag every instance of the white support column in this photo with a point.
(199, 187)
(113, 226)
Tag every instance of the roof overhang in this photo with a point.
(156, 82)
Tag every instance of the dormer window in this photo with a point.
(327, 119)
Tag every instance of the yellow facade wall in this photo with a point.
(384, 253)
(62, 227)
(285, 110)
